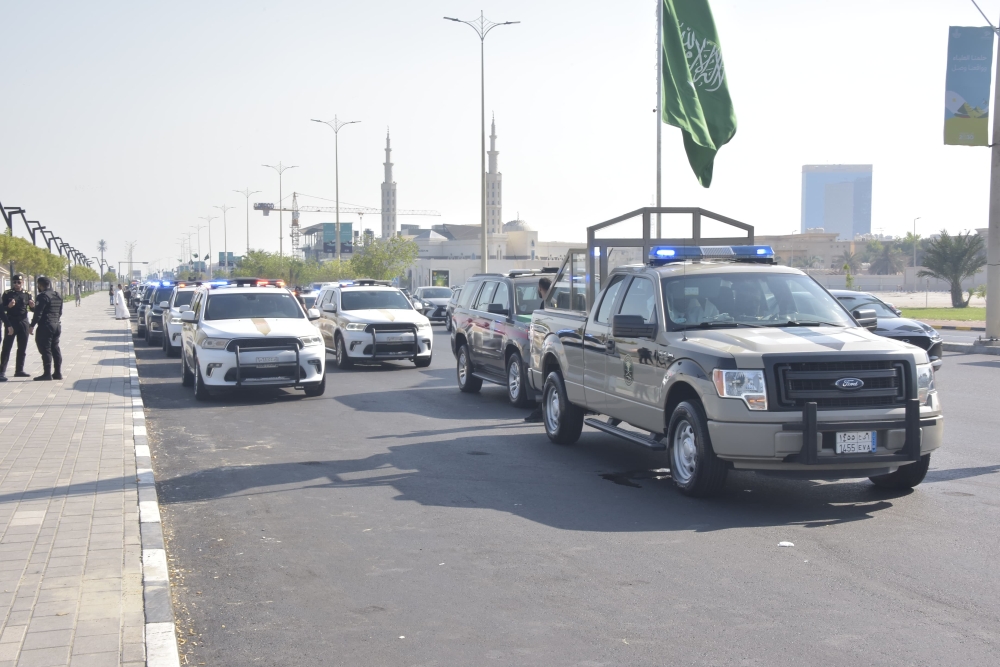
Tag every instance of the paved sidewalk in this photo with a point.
(70, 554)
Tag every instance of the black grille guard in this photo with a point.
(374, 330)
(811, 428)
(293, 347)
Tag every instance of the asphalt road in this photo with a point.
(396, 521)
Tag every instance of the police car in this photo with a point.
(247, 332)
(179, 300)
(370, 320)
(152, 320)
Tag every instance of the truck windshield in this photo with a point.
(374, 300)
(757, 299)
(278, 305)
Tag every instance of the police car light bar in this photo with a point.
(737, 253)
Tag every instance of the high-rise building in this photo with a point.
(388, 195)
(494, 185)
(837, 198)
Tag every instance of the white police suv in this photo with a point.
(370, 320)
(179, 301)
(247, 332)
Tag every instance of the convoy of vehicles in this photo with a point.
(370, 320)
(153, 319)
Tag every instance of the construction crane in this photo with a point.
(360, 211)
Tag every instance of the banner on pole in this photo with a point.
(967, 86)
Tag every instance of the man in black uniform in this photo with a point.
(14, 305)
(48, 310)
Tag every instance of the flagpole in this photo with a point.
(659, 112)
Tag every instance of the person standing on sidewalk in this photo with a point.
(111, 293)
(48, 311)
(78, 295)
(14, 305)
(121, 307)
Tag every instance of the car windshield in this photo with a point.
(867, 303)
(435, 293)
(183, 298)
(374, 300)
(279, 305)
(749, 299)
(162, 294)
(526, 298)
(310, 301)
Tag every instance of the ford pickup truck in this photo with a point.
(724, 360)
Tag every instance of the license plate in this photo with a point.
(395, 339)
(267, 360)
(856, 442)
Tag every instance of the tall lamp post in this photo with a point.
(197, 230)
(915, 246)
(208, 223)
(482, 26)
(335, 125)
(225, 241)
(280, 168)
(247, 193)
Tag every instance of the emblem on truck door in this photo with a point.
(627, 365)
(849, 384)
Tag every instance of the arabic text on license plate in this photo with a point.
(856, 442)
(267, 360)
(395, 339)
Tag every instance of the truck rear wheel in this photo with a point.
(563, 420)
(905, 477)
(694, 467)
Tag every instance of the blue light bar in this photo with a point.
(739, 253)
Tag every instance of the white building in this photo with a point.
(388, 195)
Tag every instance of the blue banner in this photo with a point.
(967, 86)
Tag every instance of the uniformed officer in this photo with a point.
(48, 310)
(14, 306)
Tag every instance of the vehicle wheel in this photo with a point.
(173, 351)
(563, 420)
(149, 339)
(187, 377)
(200, 390)
(694, 467)
(164, 345)
(420, 362)
(905, 477)
(447, 325)
(517, 391)
(466, 381)
(318, 389)
(343, 361)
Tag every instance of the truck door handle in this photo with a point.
(609, 345)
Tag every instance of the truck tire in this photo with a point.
(563, 420)
(201, 392)
(905, 477)
(316, 388)
(694, 467)
(517, 376)
(187, 377)
(343, 361)
(463, 371)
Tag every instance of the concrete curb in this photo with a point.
(970, 348)
(161, 633)
(948, 327)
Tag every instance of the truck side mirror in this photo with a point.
(330, 308)
(497, 309)
(866, 318)
(632, 326)
(164, 304)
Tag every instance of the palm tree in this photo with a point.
(954, 258)
(851, 260)
(888, 262)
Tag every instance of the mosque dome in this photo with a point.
(517, 226)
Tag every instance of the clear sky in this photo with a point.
(129, 120)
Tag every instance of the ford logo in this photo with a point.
(849, 384)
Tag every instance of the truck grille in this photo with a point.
(800, 382)
(262, 343)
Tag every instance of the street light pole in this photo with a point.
(915, 246)
(335, 125)
(225, 241)
(197, 229)
(246, 193)
(208, 223)
(280, 168)
(482, 26)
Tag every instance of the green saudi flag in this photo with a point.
(695, 93)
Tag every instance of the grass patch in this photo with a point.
(971, 314)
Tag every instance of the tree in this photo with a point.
(851, 261)
(109, 277)
(384, 259)
(888, 262)
(953, 259)
(906, 246)
(850, 276)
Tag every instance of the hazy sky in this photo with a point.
(129, 120)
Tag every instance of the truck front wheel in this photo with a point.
(563, 420)
(694, 467)
(905, 477)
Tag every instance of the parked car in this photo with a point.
(490, 329)
(892, 324)
(153, 315)
(452, 303)
(432, 302)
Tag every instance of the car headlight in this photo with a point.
(424, 325)
(747, 385)
(308, 341)
(356, 326)
(925, 382)
(215, 343)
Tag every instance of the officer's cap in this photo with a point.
(16, 277)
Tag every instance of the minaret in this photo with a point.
(388, 195)
(494, 182)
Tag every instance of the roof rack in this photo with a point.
(368, 282)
